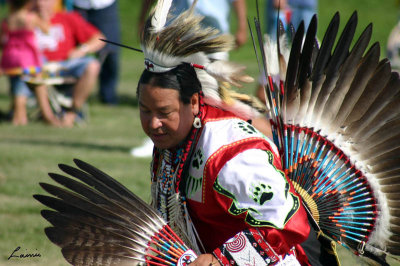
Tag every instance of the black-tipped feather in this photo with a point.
(305, 67)
(322, 60)
(340, 137)
(100, 199)
(111, 211)
(375, 84)
(100, 227)
(335, 62)
(346, 76)
(364, 72)
(292, 92)
(98, 221)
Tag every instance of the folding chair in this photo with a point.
(59, 92)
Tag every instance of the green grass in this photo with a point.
(28, 153)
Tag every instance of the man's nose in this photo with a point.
(155, 122)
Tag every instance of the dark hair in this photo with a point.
(18, 4)
(183, 78)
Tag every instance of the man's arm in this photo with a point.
(240, 9)
(280, 4)
(93, 45)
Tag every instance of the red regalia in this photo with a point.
(235, 183)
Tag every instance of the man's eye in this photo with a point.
(165, 112)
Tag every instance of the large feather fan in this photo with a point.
(336, 119)
(98, 221)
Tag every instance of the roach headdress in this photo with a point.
(167, 43)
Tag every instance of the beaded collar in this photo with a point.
(168, 168)
(179, 157)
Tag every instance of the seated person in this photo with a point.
(19, 52)
(69, 41)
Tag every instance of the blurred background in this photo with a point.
(28, 153)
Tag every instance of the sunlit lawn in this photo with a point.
(28, 153)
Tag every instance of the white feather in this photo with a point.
(228, 71)
(160, 14)
(381, 233)
(271, 55)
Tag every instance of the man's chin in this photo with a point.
(162, 144)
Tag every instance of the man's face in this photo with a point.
(164, 117)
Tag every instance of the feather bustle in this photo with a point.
(333, 150)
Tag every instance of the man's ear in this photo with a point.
(194, 102)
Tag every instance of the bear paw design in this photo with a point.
(262, 193)
(249, 129)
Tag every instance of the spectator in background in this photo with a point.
(302, 10)
(393, 44)
(272, 7)
(216, 14)
(393, 47)
(104, 15)
(17, 40)
(290, 11)
(69, 41)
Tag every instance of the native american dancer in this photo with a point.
(223, 175)
(223, 192)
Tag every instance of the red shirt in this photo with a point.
(234, 183)
(67, 31)
(215, 224)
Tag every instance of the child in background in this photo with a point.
(17, 39)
